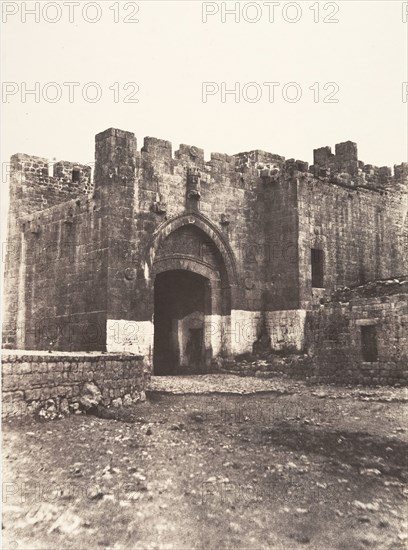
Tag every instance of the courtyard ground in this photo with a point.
(214, 462)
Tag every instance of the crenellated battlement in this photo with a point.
(36, 189)
(114, 146)
(90, 254)
(343, 167)
(189, 153)
(38, 169)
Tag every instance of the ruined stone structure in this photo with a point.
(187, 262)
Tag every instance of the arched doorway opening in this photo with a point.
(193, 277)
(182, 299)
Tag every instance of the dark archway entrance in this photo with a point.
(194, 280)
(181, 301)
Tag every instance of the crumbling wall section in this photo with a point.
(335, 338)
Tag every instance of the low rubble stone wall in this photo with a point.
(57, 382)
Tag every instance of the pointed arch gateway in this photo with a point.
(194, 279)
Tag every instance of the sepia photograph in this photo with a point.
(204, 275)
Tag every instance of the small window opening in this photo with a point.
(369, 343)
(317, 268)
(44, 172)
(76, 175)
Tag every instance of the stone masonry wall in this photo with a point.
(141, 191)
(332, 340)
(254, 211)
(32, 189)
(87, 264)
(61, 286)
(335, 341)
(357, 215)
(55, 381)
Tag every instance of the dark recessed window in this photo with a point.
(369, 343)
(317, 268)
(76, 175)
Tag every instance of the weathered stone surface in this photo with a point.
(85, 258)
(64, 406)
(335, 338)
(33, 390)
(90, 396)
(127, 400)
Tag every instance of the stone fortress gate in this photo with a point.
(189, 262)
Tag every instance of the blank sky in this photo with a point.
(171, 52)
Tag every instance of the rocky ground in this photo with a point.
(212, 462)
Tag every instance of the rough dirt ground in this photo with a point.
(286, 467)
